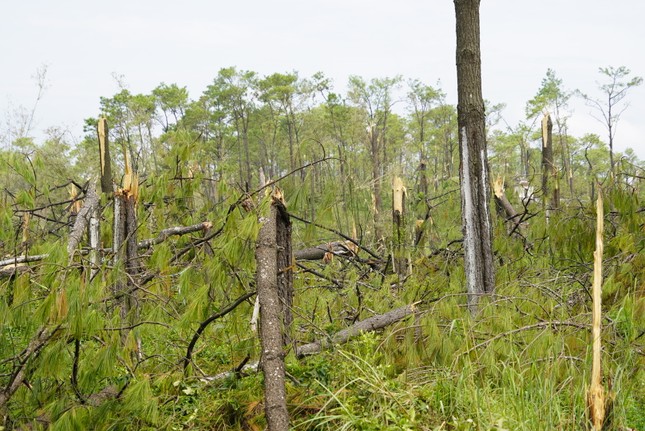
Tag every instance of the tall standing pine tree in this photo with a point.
(473, 170)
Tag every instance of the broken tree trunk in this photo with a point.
(399, 260)
(104, 156)
(595, 395)
(87, 211)
(550, 189)
(125, 245)
(275, 291)
(504, 207)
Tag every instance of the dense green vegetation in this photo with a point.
(522, 363)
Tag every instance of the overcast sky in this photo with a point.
(85, 43)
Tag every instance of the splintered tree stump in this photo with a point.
(399, 260)
(274, 282)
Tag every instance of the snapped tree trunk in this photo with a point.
(275, 291)
(596, 391)
(505, 208)
(85, 214)
(473, 167)
(398, 228)
(125, 243)
(104, 156)
(549, 172)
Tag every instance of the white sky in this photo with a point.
(84, 43)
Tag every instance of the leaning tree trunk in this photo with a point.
(275, 290)
(473, 168)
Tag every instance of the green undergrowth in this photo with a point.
(522, 363)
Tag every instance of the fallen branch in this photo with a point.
(179, 230)
(23, 259)
(368, 325)
(90, 202)
(232, 306)
(336, 283)
(13, 270)
(318, 252)
(163, 235)
(340, 234)
(18, 376)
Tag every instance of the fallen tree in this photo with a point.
(370, 324)
(319, 252)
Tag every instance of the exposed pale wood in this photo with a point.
(398, 195)
(502, 200)
(95, 235)
(596, 395)
(398, 228)
(90, 203)
(12, 270)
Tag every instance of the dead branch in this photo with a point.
(336, 283)
(162, 236)
(32, 350)
(178, 230)
(318, 252)
(368, 325)
(90, 203)
(23, 259)
(12, 270)
(340, 234)
(373, 323)
(202, 326)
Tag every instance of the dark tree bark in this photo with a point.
(104, 156)
(274, 284)
(125, 244)
(550, 189)
(473, 169)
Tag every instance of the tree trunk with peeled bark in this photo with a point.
(473, 169)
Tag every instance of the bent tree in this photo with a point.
(473, 169)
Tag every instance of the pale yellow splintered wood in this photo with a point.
(102, 137)
(595, 395)
(398, 194)
(130, 179)
(498, 187)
